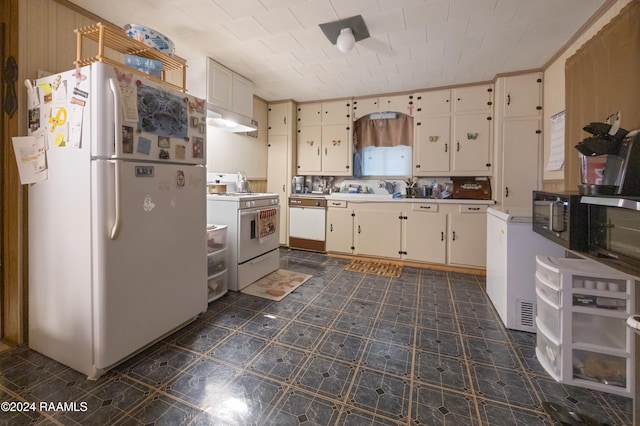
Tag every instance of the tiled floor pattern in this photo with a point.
(345, 348)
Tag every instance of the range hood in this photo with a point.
(229, 121)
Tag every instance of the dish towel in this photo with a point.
(266, 223)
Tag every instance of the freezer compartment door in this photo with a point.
(150, 253)
(135, 118)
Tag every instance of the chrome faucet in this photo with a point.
(389, 186)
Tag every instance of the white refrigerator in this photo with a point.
(117, 233)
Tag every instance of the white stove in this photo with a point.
(252, 221)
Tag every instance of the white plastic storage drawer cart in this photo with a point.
(582, 338)
(216, 261)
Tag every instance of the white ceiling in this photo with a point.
(414, 44)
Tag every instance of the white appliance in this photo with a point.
(252, 255)
(512, 247)
(307, 222)
(117, 247)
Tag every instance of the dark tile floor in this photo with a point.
(345, 348)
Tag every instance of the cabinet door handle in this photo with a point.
(359, 229)
(458, 146)
(318, 151)
(283, 188)
(441, 235)
(509, 99)
(474, 208)
(454, 235)
(426, 207)
(284, 120)
(446, 147)
(506, 191)
(331, 227)
(326, 151)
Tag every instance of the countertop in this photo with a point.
(378, 198)
(369, 198)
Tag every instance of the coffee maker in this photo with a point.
(610, 165)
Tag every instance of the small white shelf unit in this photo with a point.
(217, 260)
(582, 337)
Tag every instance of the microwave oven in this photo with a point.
(614, 229)
(560, 217)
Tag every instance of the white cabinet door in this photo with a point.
(433, 102)
(278, 177)
(278, 116)
(520, 140)
(471, 148)
(467, 243)
(365, 106)
(339, 230)
(425, 234)
(242, 95)
(523, 95)
(220, 85)
(377, 232)
(472, 98)
(338, 112)
(336, 150)
(399, 103)
(310, 114)
(309, 149)
(432, 145)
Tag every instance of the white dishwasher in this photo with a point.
(307, 222)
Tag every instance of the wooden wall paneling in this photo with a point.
(13, 198)
(602, 77)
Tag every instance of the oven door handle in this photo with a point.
(623, 203)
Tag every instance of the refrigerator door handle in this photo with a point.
(117, 134)
(117, 222)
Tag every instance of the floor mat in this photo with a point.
(277, 285)
(374, 267)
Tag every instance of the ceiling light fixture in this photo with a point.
(344, 33)
(346, 40)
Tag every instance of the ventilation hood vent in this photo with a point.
(229, 121)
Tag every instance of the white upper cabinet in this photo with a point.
(453, 132)
(337, 112)
(433, 102)
(310, 114)
(397, 103)
(364, 106)
(228, 89)
(279, 119)
(324, 138)
(523, 95)
(472, 98)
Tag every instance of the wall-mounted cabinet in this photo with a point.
(453, 132)
(397, 103)
(324, 139)
(229, 90)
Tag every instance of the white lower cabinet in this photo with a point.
(468, 236)
(424, 232)
(377, 231)
(339, 237)
(582, 337)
